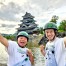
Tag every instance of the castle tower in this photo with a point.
(28, 24)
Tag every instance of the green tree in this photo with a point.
(41, 30)
(62, 26)
(54, 19)
(11, 37)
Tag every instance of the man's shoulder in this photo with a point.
(12, 42)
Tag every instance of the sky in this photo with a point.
(11, 12)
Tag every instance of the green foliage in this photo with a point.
(41, 30)
(54, 19)
(11, 37)
(62, 26)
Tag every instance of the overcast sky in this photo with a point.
(11, 12)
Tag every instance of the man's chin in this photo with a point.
(21, 46)
(51, 39)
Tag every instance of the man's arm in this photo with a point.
(31, 57)
(4, 41)
(42, 44)
(42, 49)
(65, 41)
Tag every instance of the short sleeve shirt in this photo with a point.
(60, 51)
(17, 55)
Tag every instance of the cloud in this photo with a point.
(49, 4)
(8, 12)
(11, 13)
(35, 7)
(8, 27)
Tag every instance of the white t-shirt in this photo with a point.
(60, 51)
(17, 55)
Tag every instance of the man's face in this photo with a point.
(50, 34)
(22, 41)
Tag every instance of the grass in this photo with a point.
(33, 41)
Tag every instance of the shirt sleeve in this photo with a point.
(11, 47)
(59, 48)
(63, 46)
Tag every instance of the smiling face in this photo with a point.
(22, 41)
(50, 34)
